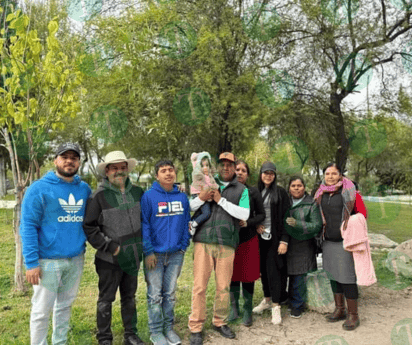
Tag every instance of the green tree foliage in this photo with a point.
(336, 46)
(39, 89)
(151, 76)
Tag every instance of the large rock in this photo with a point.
(405, 247)
(320, 296)
(399, 263)
(381, 241)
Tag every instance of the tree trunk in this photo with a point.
(317, 167)
(186, 177)
(3, 184)
(18, 265)
(358, 171)
(18, 194)
(341, 155)
(224, 144)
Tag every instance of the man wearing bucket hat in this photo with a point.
(54, 243)
(112, 225)
(215, 243)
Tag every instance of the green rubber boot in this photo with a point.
(247, 309)
(234, 303)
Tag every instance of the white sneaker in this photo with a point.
(262, 306)
(276, 318)
(172, 338)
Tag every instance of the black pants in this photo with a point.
(110, 279)
(349, 290)
(274, 279)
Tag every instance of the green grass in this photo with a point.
(391, 220)
(6, 216)
(386, 277)
(9, 197)
(15, 307)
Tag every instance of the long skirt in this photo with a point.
(247, 262)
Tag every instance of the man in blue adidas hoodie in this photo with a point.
(54, 243)
(165, 230)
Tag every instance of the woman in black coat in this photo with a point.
(246, 264)
(272, 249)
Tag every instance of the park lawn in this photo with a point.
(391, 220)
(15, 307)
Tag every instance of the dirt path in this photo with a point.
(380, 310)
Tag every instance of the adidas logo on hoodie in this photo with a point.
(71, 207)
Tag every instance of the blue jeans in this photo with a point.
(297, 291)
(161, 286)
(57, 290)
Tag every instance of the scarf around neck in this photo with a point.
(348, 196)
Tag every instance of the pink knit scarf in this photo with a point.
(348, 195)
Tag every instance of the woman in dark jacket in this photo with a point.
(272, 249)
(336, 197)
(303, 223)
(246, 263)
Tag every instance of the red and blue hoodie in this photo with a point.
(52, 219)
(165, 219)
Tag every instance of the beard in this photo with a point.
(66, 174)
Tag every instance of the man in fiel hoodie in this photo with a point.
(112, 225)
(54, 243)
(165, 227)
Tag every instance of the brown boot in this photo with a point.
(352, 321)
(340, 312)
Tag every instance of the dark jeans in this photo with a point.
(349, 290)
(110, 279)
(274, 280)
(204, 216)
(297, 291)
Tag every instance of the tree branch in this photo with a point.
(384, 16)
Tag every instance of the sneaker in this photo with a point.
(295, 313)
(262, 306)
(158, 339)
(192, 228)
(276, 318)
(133, 340)
(285, 301)
(172, 338)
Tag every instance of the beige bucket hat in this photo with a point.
(115, 157)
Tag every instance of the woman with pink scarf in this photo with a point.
(337, 200)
